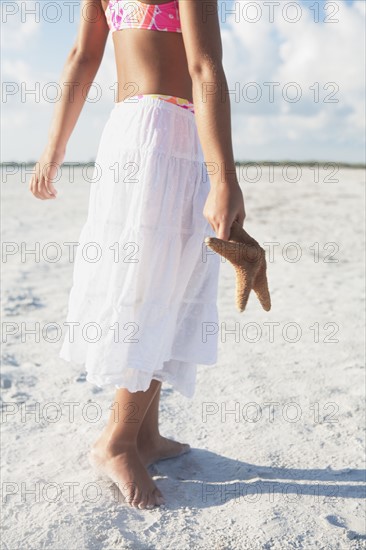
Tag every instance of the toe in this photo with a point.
(137, 500)
(150, 502)
(159, 499)
(143, 502)
(131, 494)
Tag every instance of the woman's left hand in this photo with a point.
(224, 204)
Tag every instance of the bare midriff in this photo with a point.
(151, 62)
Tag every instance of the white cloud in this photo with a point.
(17, 71)
(306, 53)
(19, 26)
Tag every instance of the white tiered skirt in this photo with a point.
(143, 303)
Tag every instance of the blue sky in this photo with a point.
(322, 59)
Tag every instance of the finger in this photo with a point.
(48, 189)
(49, 185)
(215, 227)
(39, 194)
(223, 231)
(51, 189)
(240, 219)
(34, 187)
(42, 190)
(212, 224)
(47, 195)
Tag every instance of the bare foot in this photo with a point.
(123, 465)
(160, 449)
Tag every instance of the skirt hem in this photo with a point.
(139, 379)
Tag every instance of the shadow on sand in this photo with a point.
(203, 479)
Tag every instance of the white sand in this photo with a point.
(252, 481)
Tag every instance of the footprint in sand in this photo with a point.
(20, 397)
(339, 522)
(336, 521)
(9, 359)
(15, 304)
(5, 382)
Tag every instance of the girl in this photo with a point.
(164, 180)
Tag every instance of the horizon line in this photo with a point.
(342, 164)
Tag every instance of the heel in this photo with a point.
(98, 471)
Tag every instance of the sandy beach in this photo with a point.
(276, 426)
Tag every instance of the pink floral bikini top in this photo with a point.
(133, 14)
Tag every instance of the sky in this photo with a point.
(295, 71)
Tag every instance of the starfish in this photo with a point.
(249, 261)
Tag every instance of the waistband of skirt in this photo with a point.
(155, 101)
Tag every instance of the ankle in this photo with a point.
(116, 443)
(116, 448)
(148, 439)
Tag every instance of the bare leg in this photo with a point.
(151, 445)
(115, 452)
